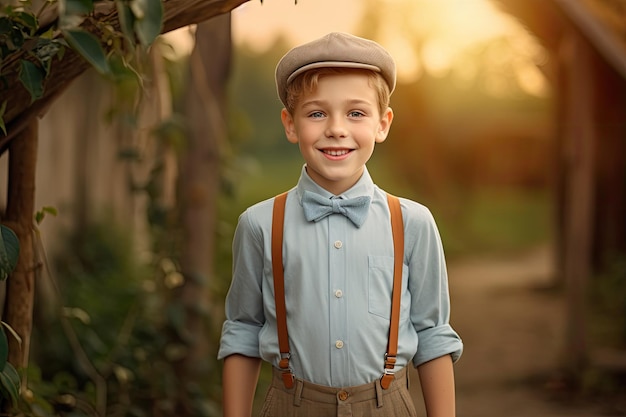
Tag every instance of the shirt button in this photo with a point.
(342, 395)
(338, 293)
(339, 344)
(338, 244)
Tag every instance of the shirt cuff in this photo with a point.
(239, 338)
(436, 342)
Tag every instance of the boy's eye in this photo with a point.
(316, 114)
(355, 113)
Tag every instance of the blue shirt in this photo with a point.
(338, 283)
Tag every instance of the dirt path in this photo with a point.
(512, 327)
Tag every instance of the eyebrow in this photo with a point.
(352, 102)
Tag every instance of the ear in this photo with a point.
(289, 125)
(384, 125)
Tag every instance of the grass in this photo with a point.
(500, 221)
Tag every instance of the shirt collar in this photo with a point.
(363, 187)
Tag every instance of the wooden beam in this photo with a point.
(579, 155)
(599, 34)
(18, 308)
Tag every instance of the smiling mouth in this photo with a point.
(336, 152)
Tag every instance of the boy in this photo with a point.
(337, 354)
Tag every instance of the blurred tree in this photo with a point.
(253, 97)
(20, 289)
(205, 104)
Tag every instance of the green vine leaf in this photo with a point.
(3, 109)
(73, 12)
(27, 21)
(11, 36)
(77, 7)
(148, 19)
(32, 77)
(9, 251)
(77, 313)
(10, 382)
(39, 216)
(4, 348)
(89, 47)
(127, 19)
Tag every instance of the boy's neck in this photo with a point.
(335, 188)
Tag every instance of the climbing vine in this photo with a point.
(111, 49)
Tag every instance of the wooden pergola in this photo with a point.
(587, 69)
(20, 111)
(21, 142)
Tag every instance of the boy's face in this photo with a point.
(336, 127)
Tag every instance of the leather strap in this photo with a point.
(397, 230)
(278, 217)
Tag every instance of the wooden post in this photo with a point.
(200, 178)
(579, 142)
(18, 309)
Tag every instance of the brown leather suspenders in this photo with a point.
(397, 230)
(278, 217)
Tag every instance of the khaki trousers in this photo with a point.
(310, 400)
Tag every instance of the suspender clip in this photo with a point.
(389, 371)
(284, 361)
(287, 373)
(390, 361)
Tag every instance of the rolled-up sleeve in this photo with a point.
(430, 300)
(244, 302)
(438, 341)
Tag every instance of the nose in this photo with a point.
(336, 128)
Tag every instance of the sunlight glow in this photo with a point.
(258, 24)
(437, 37)
(181, 42)
(409, 67)
(437, 55)
(532, 81)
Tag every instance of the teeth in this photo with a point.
(336, 153)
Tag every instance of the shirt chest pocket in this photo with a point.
(380, 285)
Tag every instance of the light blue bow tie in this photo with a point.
(317, 207)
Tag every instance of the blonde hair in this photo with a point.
(307, 82)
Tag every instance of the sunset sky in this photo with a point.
(258, 23)
(447, 29)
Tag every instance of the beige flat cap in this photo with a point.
(335, 50)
